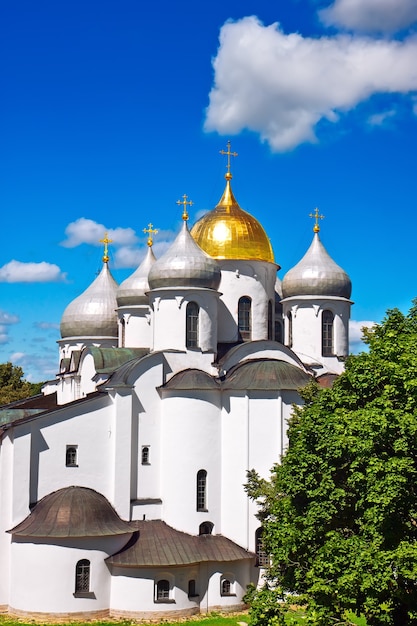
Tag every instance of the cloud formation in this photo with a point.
(370, 15)
(88, 231)
(355, 334)
(282, 86)
(18, 272)
(8, 318)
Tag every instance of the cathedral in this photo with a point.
(122, 484)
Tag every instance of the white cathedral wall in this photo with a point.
(255, 279)
(43, 574)
(137, 326)
(6, 500)
(252, 438)
(190, 441)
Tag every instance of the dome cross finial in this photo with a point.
(106, 242)
(317, 217)
(228, 153)
(184, 203)
(150, 231)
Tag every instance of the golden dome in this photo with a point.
(229, 232)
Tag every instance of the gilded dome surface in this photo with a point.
(229, 232)
(316, 275)
(185, 264)
(93, 313)
(133, 289)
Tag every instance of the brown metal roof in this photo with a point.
(191, 379)
(265, 374)
(73, 512)
(158, 545)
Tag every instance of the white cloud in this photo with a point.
(281, 86)
(35, 368)
(370, 15)
(87, 231)
(355, 334)
(378, 119)
(4, 337)
(18, 272)
(47, 325)
(7, 318)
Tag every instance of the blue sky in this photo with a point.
(111, 111)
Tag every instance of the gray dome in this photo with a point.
(93, 313)
(185, 264)
(316, 275)
(133, 289)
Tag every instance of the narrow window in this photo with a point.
(192, 325)
(123, 333)
(244, 318)
(289, 318)
(270, 321)
(201, 490)
(206, 528)
(327, 323)
(192, 592)
(278, 331)
(71, 456)
(82, 576)
(162, 590)
(225, 587)
(261, 556)
(145, 455)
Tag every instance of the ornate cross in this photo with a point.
(106, 242)
(150, 231)
(228, 153)
(185, 202)
(317, 217)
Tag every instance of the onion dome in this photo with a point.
(93, 313)
(185, 264)
(316, 275)
(229, 232)
(73, 512)
(133, 290)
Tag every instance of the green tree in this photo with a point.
(13, 386)
(340, 513)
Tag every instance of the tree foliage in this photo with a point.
(13, 386)
(340, 513)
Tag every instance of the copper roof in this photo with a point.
(73, 512)
(158, 545)
(265, 374)
(192, 379)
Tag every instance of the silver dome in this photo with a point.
(316, 275)
(133, 289)
(185, 264)
(93, 313)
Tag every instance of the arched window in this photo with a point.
(123, 332)
(244, 318)
(202, 490)
(270, 321)
(206, 528)
(192, 325)
(278, 331)
(192, 590)
(327, 343)
(82, 576)
(145, 455)
(261, 556)
(226, 587)
(162, 590)
(71, 456)
(289, 319)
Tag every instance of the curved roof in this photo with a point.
(265, 374)
(133, 290)
(185, 264)
(159, 545)
(73, 512)
(229, 232)
(93, 313)
(316, 275)
(191, 379)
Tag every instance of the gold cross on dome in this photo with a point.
(317, 217)
(106, 242)
(150, 231)
(184, 203)
(228, 153)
